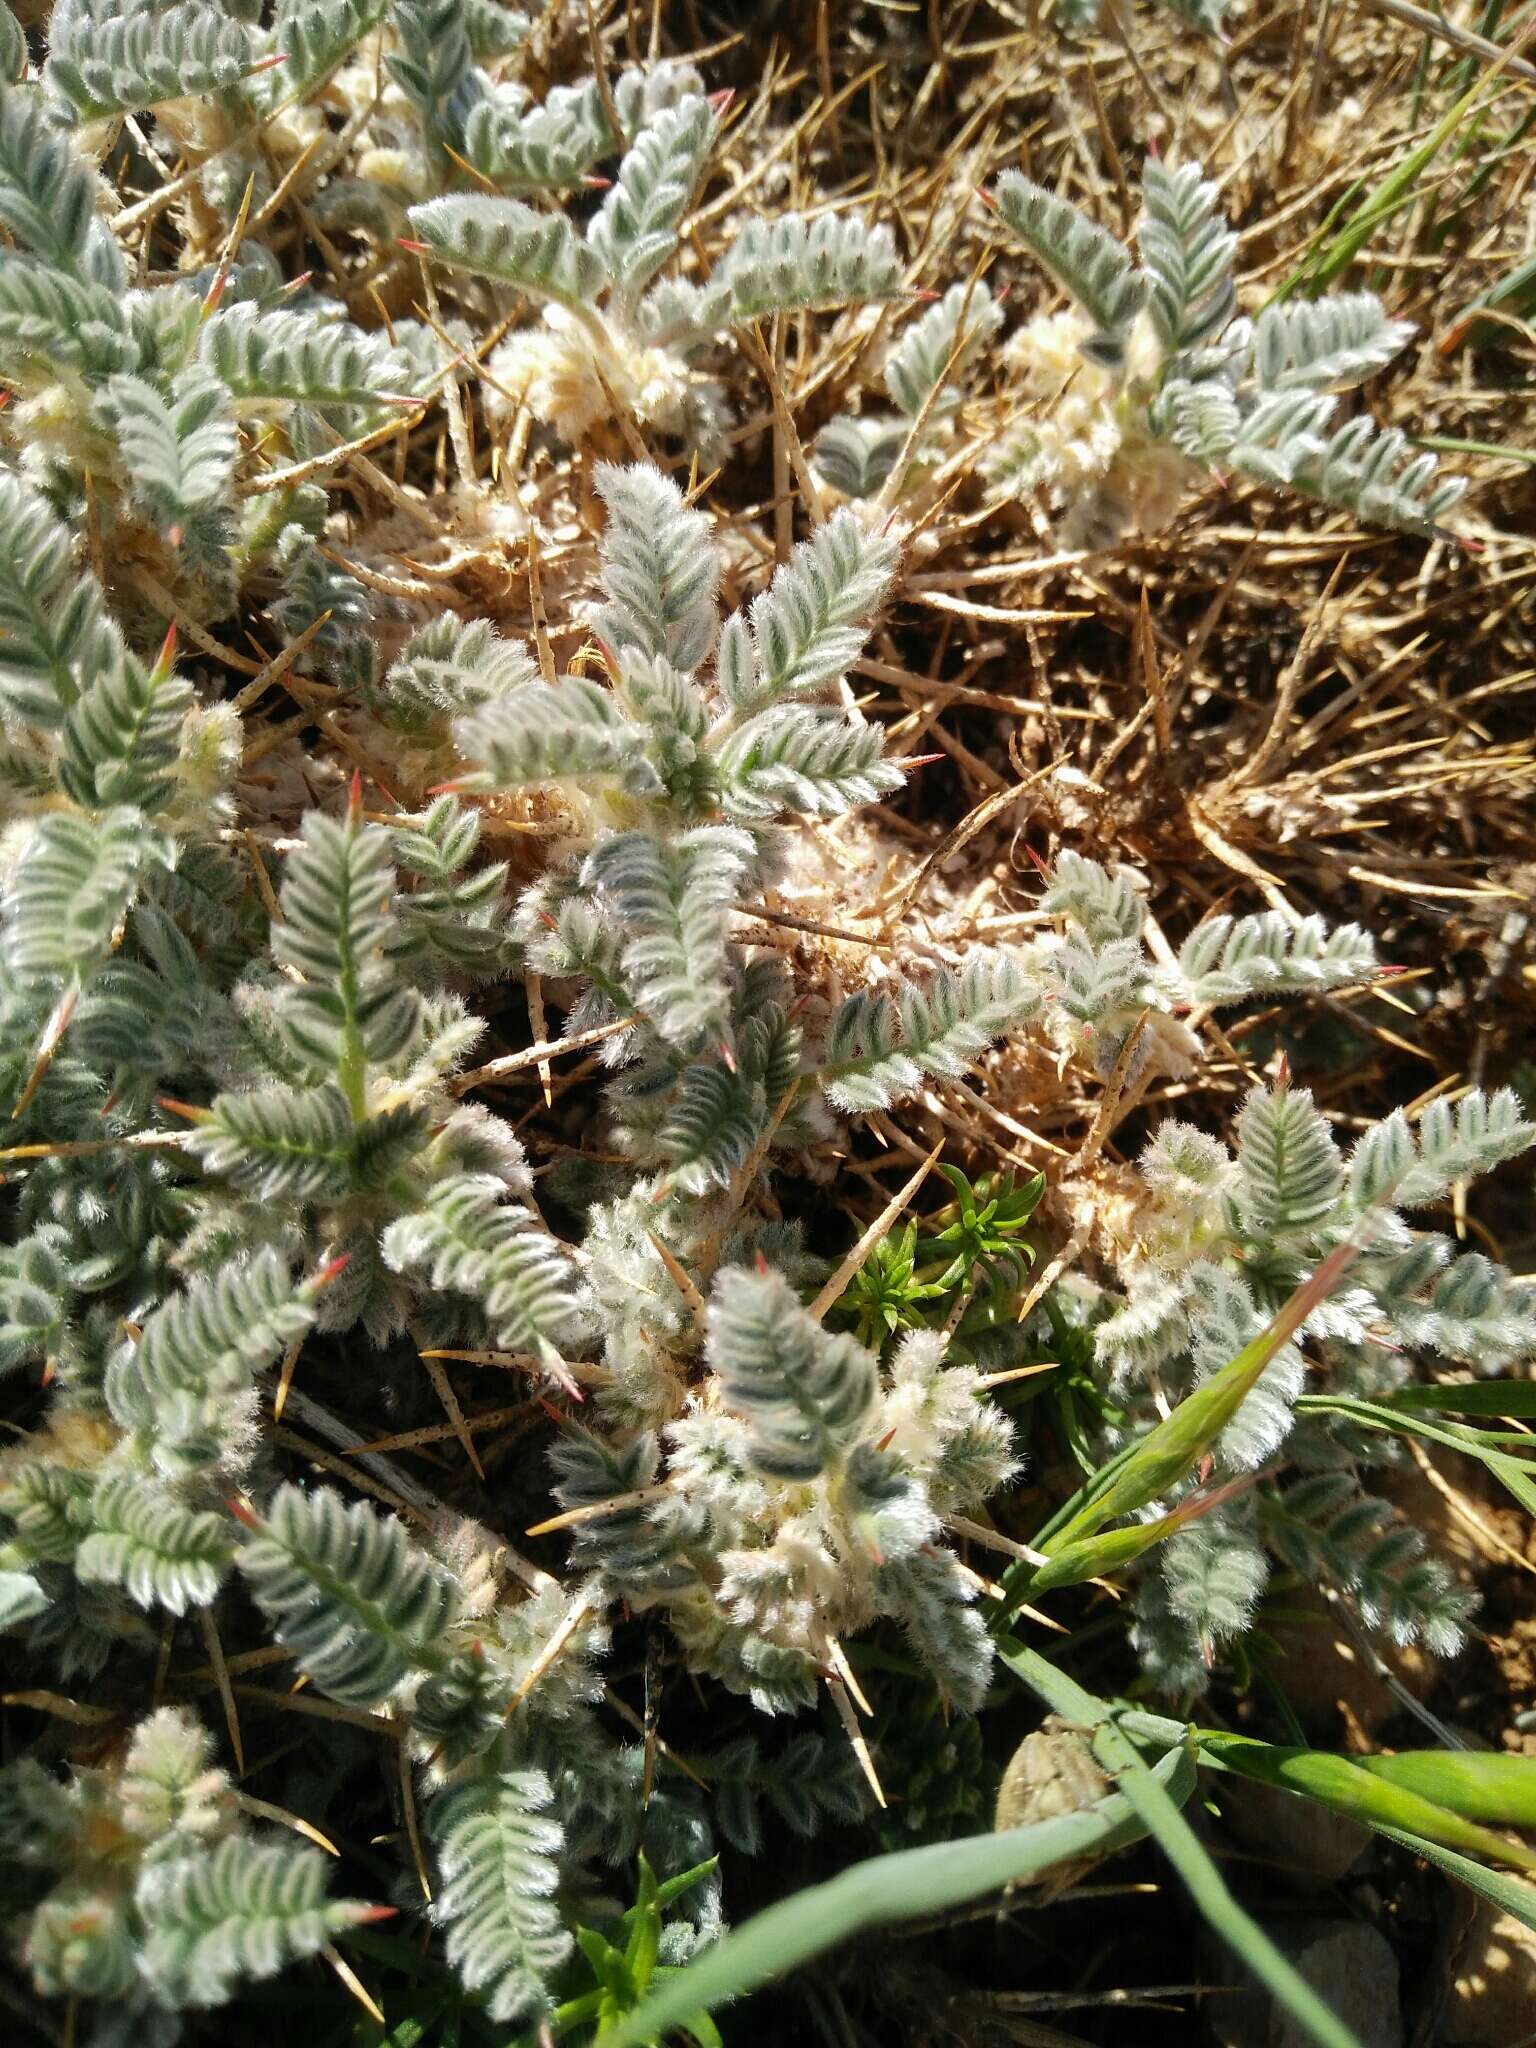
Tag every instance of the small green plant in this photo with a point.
(624, 1958)
(975, 1252)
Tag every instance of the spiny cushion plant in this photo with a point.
(241, 991)
(764, 1485)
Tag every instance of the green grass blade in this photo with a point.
(1208, 1888)
(1509, 1894)
(1340, 1783)
(1092, 1556)
(1322, 265)
(1477, 1784)
(889, 1888)
(1141, 1786)
(1479, 1397)
(1514, 1474)
(1175, 1446)
(1450, 444)
(1513, 296)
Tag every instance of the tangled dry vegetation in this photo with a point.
(1249, 705)
(1252, 702)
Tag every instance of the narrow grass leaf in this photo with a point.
(1166, 1453)
(1142, 1785)
(1510, 1894)
(1341, 1784)
(1477, 1784)
(892, 1888)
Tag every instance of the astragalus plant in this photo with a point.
(309, 1168)
(1207, 1245)
(1153, 379)
(1114, 410)
(617, 336)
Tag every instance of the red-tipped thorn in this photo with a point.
(551, 1410)
(416, 248)
(1283, 1071)
(1154, 148)
(49, 1371)
(1044, 866)
(267, 63)
(595, 183)
(762, 1265)
(297, 284)
(167, 654)
(722, 100)
(919, 761)
(242, 1511)
(355, 793)
(189, 1110)
(986, 197)
(372, 1914)
(331, 1270)
(727, 1056)
(447, 788)
(173, 534)
(922, 293)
